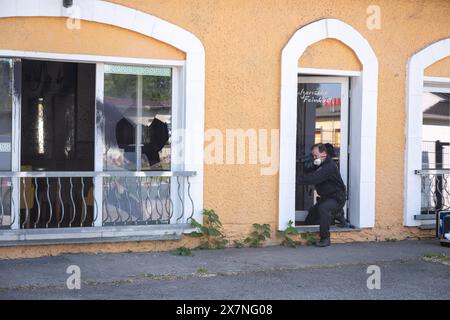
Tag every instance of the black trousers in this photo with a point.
(322, 213)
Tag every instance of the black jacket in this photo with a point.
(327, 180)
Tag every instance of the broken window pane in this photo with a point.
(137, 104)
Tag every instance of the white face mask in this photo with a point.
(317, 162)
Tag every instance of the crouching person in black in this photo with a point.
(329, 185)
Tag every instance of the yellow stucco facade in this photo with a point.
(439, 68)
(322, 55)
(27, 34)
(243, 41)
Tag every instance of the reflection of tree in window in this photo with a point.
(138, 118)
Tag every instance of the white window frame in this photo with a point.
(415, 86)
(438, 85)
(364, 93)
(192, 76)
(178, 116)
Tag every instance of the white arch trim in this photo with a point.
(414, 93)
(364, 119)
(150, 26)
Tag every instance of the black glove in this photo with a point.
(308, 162)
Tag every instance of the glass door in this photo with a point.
(322, 117)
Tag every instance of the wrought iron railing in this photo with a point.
(6, 218)
(435, 190)
(33, 200)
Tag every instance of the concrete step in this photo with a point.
(428, 226)
(425, 217)
(315, 228)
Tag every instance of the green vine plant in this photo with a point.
(182, 251)
(260, 234)
(287, 234)
(237, 244)
(210, 232)
(310, 238)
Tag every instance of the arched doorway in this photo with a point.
(362, 121)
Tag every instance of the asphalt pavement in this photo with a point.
(341, 271)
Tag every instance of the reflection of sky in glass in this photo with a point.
(430, 99)
(324, 90)
(435, 126)
(324, 100)
(332, 89)
(325, 97)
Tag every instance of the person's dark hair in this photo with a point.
(330, 150)
(320, 146)
(325, 147)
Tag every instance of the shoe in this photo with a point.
(339, 219)
(340, 222)
(324, 243)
